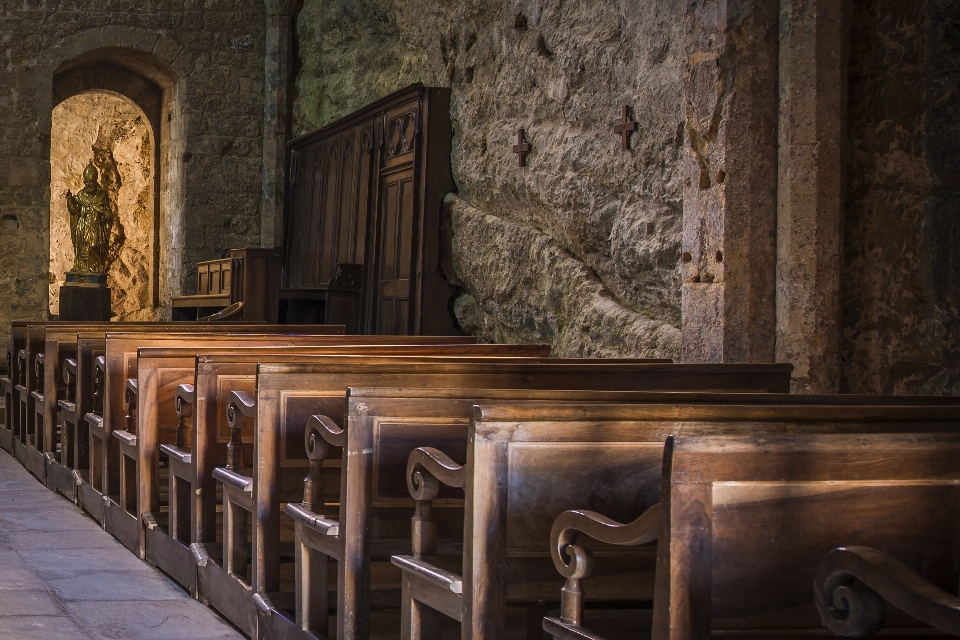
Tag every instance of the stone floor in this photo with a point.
(62, 576)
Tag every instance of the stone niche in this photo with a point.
(112, 131)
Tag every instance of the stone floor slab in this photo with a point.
(188, 620)
(111, 585)
(41, 628)
(34, 602)
(63, 576)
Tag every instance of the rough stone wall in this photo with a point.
(581, 248)
(211, 52)
(901, 274)
(124, 157)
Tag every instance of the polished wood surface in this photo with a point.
(367, 190)
(505, 510)
(746, 520)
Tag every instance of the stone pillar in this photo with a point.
(810, 204)
(277, 109)
(728, 263)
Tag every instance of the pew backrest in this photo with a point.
(745, 520)
(287, 395)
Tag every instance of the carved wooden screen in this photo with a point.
(328, 206)
(368, 190)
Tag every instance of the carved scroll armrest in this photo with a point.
(186, 397)
(22, 366)
(427, 468)
(233, 312)
(39, 362)
(70, 379)
(319, 435)
(240, 406)
(563, 537)
(130, 397)
(852, 584)
(99, 383)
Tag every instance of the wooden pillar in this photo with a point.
(813, 61)
(277, 109)
(728, 262)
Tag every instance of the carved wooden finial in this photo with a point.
(521, 148)
(625, 127)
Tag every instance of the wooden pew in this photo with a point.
(371, 451)
(288, 395)
(25, 426)
(528, 463)
(151, 397)
(11, 427)
(114, 367)
(201, 406)
(60, 348)
(6, 386)
(784, 502)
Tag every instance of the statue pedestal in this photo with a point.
(85, 303)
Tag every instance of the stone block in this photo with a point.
(85, 303)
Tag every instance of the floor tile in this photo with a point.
(35, 602)
(41, 628)
(187, 620)
(106, 585)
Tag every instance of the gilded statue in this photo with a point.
(91, 220)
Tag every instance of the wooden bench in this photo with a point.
(60, 380)
(25, 426)
(297, 392)
(529, 463)
(784, 502)
(384, 426)
(110, 399)
(11, 426)
(202, 412)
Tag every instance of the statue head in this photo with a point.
(90, 176)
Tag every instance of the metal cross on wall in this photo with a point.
(625, 127)
(521, 148)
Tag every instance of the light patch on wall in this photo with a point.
(113, 132)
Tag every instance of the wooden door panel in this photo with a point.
(396, 241)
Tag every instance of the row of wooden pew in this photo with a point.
(313, 484)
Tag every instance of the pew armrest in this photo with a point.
(327, 429)
(176, 453)
(575, 562)
(94, 420)
(232, 479)
(186, 394)
(242, 402)
(440, 577)
(570, 524)
(853, 583)
(69, 368)
(426, 466)
(324, 526)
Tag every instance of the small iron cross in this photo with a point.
(625, 127)
(521, 148)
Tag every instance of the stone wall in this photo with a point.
(901, 275)
(581, 247)
(206, 56)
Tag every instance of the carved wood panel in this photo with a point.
(367, 190)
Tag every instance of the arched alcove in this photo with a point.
(111, 132)
(128, 97)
